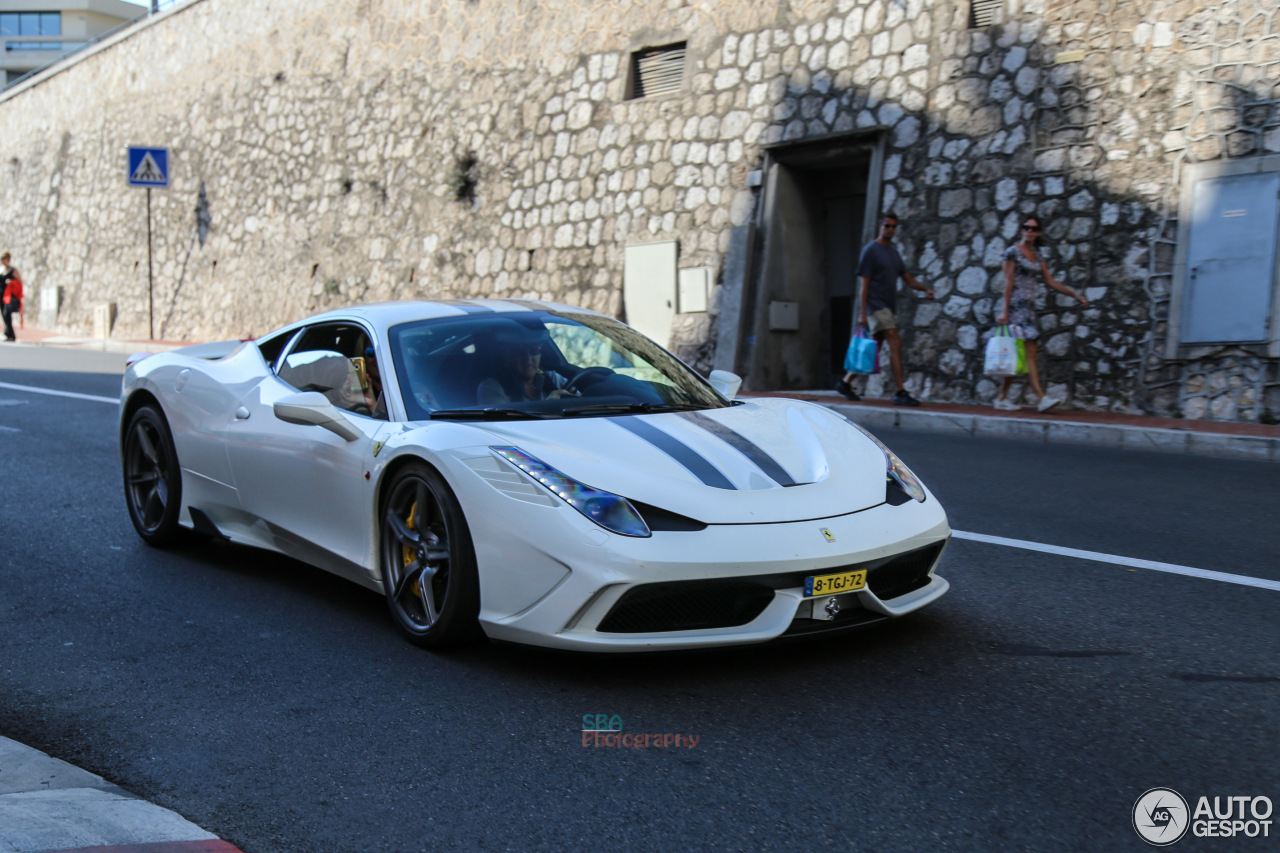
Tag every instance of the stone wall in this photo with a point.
(360, 152)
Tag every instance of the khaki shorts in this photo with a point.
(881, 320)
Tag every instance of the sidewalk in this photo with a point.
(31, 335)
(1258, 442)
(50, 806)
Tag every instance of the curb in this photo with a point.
(50, 806)
(1124, 437)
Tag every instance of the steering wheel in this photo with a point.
(599, 372)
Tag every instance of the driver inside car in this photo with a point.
(371, 386)
(521, 377)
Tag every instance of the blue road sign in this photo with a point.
(148, 167)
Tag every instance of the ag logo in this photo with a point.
(1160, 816)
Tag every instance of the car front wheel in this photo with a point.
(152, 479)
(428, 563)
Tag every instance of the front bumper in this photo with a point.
(590, 570)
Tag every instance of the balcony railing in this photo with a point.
(23, 43)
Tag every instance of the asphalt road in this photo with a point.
(275, 705)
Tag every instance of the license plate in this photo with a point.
(831, 584)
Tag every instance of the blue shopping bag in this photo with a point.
(861, 356)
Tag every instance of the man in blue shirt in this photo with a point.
(880, 268)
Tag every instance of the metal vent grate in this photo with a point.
(686, 606)
(982, 13)
(657, 71)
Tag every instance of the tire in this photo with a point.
(152, 478)
(437, 546)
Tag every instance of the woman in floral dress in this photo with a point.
(1023, 271)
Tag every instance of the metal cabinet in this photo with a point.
(1230, 269)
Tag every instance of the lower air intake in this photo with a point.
(686, 606)
(903, 574)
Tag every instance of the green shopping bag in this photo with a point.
(1022, 357)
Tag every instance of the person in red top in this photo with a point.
(12, 299)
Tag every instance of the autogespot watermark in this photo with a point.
(1162, 816)
(603, 730)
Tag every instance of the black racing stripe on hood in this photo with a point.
(746, 447)
(468, 307)
(696, 464)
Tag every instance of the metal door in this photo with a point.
(1231, 259)
(841, 255)
(304, 483)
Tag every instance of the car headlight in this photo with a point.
(613, 513)
(895, 469)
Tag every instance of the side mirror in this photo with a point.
(311, 408)
(726, 383)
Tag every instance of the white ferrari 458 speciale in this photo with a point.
(530, 472)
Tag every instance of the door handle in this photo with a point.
(242, 414)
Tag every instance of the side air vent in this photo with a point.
(894, 494)
(662, 519)
(982, 13)
(657, 71)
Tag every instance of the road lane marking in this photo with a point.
(1099, 557)
(71, 394)
(1096, 556)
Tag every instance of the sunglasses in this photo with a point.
(1035, 228)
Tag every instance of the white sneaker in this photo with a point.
(1006, 406)
(1047, 403)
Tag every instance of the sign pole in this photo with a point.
(151, 284)
(149, 167)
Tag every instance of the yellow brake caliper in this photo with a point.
(406, 553)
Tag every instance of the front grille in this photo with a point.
(686, 606)
(903, 574)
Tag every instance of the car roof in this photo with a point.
(384, 314)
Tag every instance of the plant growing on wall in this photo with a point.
(463, 178)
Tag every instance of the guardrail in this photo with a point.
(157, 6)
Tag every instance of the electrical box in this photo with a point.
(104, 317)
(695, 284)
(784, 316)
(50, 302)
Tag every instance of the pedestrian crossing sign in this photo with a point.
(148, 167)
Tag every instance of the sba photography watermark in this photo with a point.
(605, 731)
(1162, 816)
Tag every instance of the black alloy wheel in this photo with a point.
(152, 479)
(428, 563)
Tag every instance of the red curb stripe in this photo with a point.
(210, 845)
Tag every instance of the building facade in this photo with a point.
(707, 170)
(38, 32)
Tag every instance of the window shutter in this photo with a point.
(982, 13)
(657, 70)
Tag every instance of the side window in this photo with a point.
(338, 361)
(272, 347)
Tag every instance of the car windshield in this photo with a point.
(538, 364)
